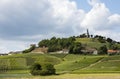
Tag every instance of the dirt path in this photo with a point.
(92, 64)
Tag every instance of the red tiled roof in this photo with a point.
(112, 51)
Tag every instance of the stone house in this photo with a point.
(91, 51)
(41, 50)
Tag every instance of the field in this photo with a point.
(66, 65)
(64, 76)
(93, 43)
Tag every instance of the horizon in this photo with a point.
(27, 22)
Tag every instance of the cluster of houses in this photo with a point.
(87, 50)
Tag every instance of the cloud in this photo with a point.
(7, 45)
(26, 21)
(28, 17)
(97, 17)
(99, 20)
(114, 19)
(93, 2)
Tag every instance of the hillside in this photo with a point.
(93, 43)
(24, 61)
(89, 64)
(74, 45)
(64, 63)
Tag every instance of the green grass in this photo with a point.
(90, 43)
(63, 76)
(109, 64)
(24, 61)
(59, 55)
(93, 43)
(69, 63)
(75, 62)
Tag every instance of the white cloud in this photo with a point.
(6, 45)
(96, 17)
(114, 19)
(99, 20)
(27, 21)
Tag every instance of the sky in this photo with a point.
(25, 22)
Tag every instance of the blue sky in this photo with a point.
(26, 22)
(113, 5)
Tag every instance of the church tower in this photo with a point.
(88, 35)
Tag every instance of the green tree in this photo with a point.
(48, 69)
(32, 47)
(113, 46)
(44, 69)
(109, 40)
(102, 50)
(45, 43)
(83, 35)
(36, 69)
(75, 48)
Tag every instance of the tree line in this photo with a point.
(57, 44)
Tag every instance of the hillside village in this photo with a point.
(83, 44)
(77, 54)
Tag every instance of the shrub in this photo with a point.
(36, 69)
(44, 69)
(102, 50)
(48, 69)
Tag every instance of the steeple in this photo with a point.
(88, 35)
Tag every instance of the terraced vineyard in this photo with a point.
(64, 63)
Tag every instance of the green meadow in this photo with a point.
(64, 63)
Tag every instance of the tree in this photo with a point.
(32, 47)
(48, 69)
(83, 35)
(75, 48)
(44, 69)
(45, 43)
(56, 44)
(113, 46)
(36, 69)
(109, 40)
(101, 39)
(102, 50)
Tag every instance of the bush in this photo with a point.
(36, 69)
(103, 50)
(44, 69)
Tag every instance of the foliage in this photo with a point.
(35, 69)
(101, 39)
(32, 47)
(113, 46)
(44, 69)
(83, 35)
(102, 50)
(109, 40)
(56, 44)
(75, 48)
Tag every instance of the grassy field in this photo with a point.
(64, 76)
(66, 64)
(24, 61)
(75, 62)
(90, 43)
